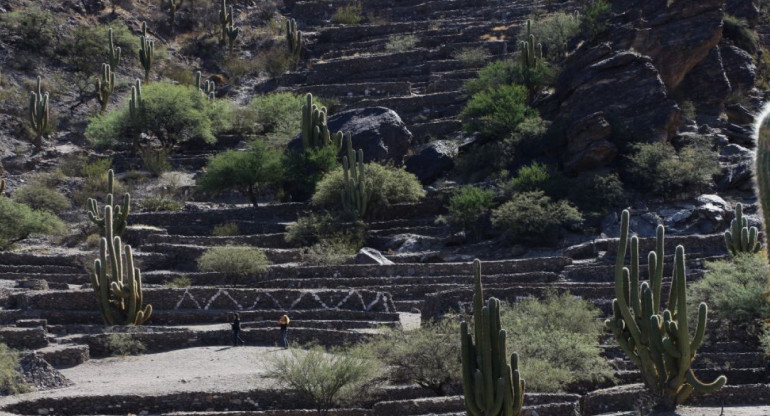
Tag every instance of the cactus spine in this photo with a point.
(114, 53)
(315, 131)
(658, 343)
(355, 195)
(491, 386)
(762, 171)
(105, 86)
(531, 53)
(146, 52)
(207, 88)
(225, 19)
(172, 6)
(116, 282)
(39, 112)
(740, 238)
(293, 38)
(120, 212)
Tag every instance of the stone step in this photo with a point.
(245, 227)
(427, 106)
(452, 404)
(705, 359)
(735, 376)
(37, 269)
(433, 129)
(160, 242)
(66, 355)
(360, 90)
(272, 212)
(184, 257)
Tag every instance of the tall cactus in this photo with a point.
(113, 52)
(207, 88)
(231, 32)
(120, 211)
(740, 238)
(658, 343)
(105, 86)
(225, 19)
(315, 131)
(146, 52)
(354, 193)
(116, 282)
(491, 386)
(39, 112)
(136, 104)
(172, 6)
(293, 38)
(2, 186)
(531, 52)
(762, 171)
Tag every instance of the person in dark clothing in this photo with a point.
(284, 323)
(236, 324)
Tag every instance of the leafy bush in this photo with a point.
(739, 31)
(279, 115)
(388, 184)
(31, 30)
(86, 48)
(304, 169)
(537, 177)
(401, 43)
(472, 56)
(315, 227)
(597, 193)
(43, 198)
(348, 14)
(468, 204)
(557, 340)
(482, 161)
(179, 282)
(497, 112)
(11, 379)
(326, 379)
(594, 18)
(225, 230)
(251, 171)
(427, 356)
(659, 168)
(233, 261)
(332, 250)
(554, 32)
(173, 114)
(20, 221)
(155, 160)
(734, 290)
(158, 203)
(507, 72)
(531, 217)
(123, 344)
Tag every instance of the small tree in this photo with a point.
(20, 221)
(250, 171)
(497, 112)
(326, 379)
(468, 204)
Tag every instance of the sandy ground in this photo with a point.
(708, 411)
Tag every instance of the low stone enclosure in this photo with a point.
(331, 305)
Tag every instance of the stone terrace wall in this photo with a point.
(217, 298)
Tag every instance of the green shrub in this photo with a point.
(11, 379)
(332, 250)
(225, 230)
(43, 198)
(123, 344)
(86, 49)
(179, 282)
(20, 221)
(389, 185)
(531, 217)
(597, 193)
(734, 290)
(558, 341)
(251, 171)
(594, 18)
(468, 204)
(554, 31)
(305, 168)
(507, 72)
(233, 261)
(401, 43)
(659, 168)
(428, 356)
(173, 115)
(472, 56)
(32, 31)
(482, 161)
(278, 115)
(739, 31)
(155, 160)
(158, 203)
(349, 14)
(311, 229)
(537, 177)
(497, 112)
(326, 379)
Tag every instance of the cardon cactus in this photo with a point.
(740, 238)
(491, 386)
(2, 186)
(116, 282)
(136, 104)
(531, 52)
(658, 343)
(355, 195)
(315, 131)
(762, 169)
(113, 53)
(207, 88)
(225, 19)
(172, 6)
(146, 52)
(104, 87)
(120, 211)
(39, 112)
(231, 32)
(293, 38)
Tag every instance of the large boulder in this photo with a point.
(369, 255)
(624, 88)
(378, 131)
(432, 160)
(707, 85)
(739, 67)
(588, 145)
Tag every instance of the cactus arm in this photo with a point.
(702, 387)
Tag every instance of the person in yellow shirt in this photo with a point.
(284, 323)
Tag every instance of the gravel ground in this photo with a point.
(708, 411)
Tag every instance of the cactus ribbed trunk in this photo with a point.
(762, 172)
